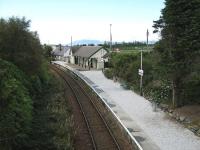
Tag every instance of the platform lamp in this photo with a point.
(141, 71)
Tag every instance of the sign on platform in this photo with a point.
(140, 72)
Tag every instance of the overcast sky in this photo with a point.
(57, 20)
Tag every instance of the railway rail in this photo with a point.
(93, 130)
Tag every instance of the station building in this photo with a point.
(90, 57)
(61, 53)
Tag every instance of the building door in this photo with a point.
(76, 60)
(95, 60)
(91, 63)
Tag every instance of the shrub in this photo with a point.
(108, 73)
(15, 106)
(159, 91)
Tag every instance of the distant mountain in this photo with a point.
(85, 41)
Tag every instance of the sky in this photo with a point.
(57, 20)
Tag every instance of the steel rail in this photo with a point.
(97, 110)
(81, 108)
(108, 128)
(105, 123)
(132, 138)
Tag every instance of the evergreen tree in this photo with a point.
(19, 45)
(179, 47)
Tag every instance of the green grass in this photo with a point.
(136, 49)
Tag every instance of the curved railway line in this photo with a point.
(93, 132)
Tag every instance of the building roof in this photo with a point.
(107, 55)
(87, 51)
(75, 49)
(61, 50)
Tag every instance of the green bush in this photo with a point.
(159, 91)
(191, 88)
(108, 73)
(52, 126)
(27, 91)
(121, 62)
(15, 106)
(125, 66)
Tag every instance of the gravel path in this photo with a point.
(167, 134)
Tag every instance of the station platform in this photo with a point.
(140, 136)
(152, 129)
(79, 67)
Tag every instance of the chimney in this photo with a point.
(70, 53)
(60, 47)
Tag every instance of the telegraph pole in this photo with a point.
(110, 37)
(71, 41)
(147, 38)
(71, 47)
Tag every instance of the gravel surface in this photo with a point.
(166, 133)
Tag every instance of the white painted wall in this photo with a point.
(98, 56)
(72, 59)
(67, 53)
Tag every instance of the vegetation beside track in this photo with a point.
(33, 111)
(171, 70)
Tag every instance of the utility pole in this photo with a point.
(71, 47)
(147, 38)
(110, 37)
(71, 41)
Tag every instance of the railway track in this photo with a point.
(92, 130)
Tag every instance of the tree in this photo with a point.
(15, 107)
(19, 45)
(27, 91)
(47, 52)
(179, 46)
(22, 76)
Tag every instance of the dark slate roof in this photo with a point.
(107, 55)
(75, 49)
(60, 50)
(87, 51)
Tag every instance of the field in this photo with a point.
(136, 49)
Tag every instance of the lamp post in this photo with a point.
(141, 71)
